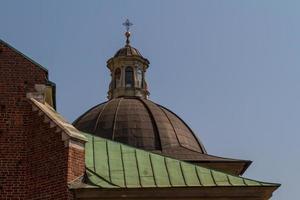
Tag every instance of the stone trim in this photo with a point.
(70, 135)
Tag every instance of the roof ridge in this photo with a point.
(22, 54)
(176, 134)
(99, 115)
(153, 121)
(115, 118)
(193, 133)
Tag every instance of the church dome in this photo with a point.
(140, 123)
(129, 116)
(128, 51)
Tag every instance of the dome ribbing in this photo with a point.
(140, 123)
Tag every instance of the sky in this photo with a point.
(230, 68)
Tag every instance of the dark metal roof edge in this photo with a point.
(246, 166)
(225, 160)
(261, 192)
(263, 183)
(247, 163)
(22, 54)
(231, 159)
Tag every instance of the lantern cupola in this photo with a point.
(128, 68)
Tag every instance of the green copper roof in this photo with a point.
(114, 165)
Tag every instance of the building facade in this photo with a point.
(128, 147)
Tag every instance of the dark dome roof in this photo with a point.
(143, 124)
(128, 51)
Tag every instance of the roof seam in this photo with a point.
(151, 164)
(94, 161)
(122, 159)
(172, 126)
(244, 182)
(184, 178)
(108, 163)
(194, 135)
(228, 179)
(213, 178)
(138, 169)
(198, 176)
(115, 118)
(96, 124)
(153, 121)
(168, 173)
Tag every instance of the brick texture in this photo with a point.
(34, 162)
(76, 164)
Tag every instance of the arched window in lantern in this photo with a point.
(139, 76)
(117, 77)
(129, 77)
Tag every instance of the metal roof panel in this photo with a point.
(111, 164)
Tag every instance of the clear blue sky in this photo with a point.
(230, 69)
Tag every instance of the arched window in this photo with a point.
(139, 76)
(117, 77)
(129, 77)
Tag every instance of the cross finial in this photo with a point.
(127, 24)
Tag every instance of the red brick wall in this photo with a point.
(33, 158)
(76, 163)
(17, 76)
(47, 161)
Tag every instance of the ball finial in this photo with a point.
(127, 24)
(127, 34)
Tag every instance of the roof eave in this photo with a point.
(216, 192)
(142, 59)
(245, 163)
